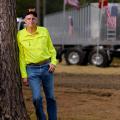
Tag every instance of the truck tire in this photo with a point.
(110, 59)
(59, 54)
(74, 56)
(99, 59)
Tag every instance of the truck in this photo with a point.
(87, 36)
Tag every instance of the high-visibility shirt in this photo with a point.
(34, 48)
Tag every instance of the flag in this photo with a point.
(73, 3)
(111, 17)
(70, 25)
(114, 10)
(102, 3)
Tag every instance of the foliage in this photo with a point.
(51, 5)
(22, 5)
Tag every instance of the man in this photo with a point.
(37, 58)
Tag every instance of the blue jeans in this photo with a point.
(37, 76)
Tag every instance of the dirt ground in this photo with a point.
(84, 93)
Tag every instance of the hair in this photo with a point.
(31, 11)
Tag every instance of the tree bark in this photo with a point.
(12, 105)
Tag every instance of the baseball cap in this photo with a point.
(30, 11)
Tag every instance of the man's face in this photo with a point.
(30, 20)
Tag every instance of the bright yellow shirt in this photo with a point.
(34, 48)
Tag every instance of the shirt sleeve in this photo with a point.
(51, 50)
(22, 62)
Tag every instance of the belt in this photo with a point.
(40, 63)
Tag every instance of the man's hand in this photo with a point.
(51, 68)
(25, 81)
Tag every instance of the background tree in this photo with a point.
(22, 5)
(12, 105)
(51, 5)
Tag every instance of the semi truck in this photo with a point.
(89, 35)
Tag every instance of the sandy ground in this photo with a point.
(84, 93)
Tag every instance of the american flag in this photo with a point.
(102, 3)
(73, 3)
(111, 18)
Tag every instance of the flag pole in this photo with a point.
(63, 36)
(100, 23)
(64, 8)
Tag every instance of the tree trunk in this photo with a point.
(12, 105)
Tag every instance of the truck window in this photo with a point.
(20, 24)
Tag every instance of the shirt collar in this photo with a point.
(29, 34)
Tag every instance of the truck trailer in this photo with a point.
(87, 36)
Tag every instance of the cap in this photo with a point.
(31, 11)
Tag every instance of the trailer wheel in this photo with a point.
(99, 59)
(74, 57)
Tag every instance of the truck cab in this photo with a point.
(20, 23)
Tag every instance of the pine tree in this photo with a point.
(12, 105)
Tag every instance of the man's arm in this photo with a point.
(51, 50)
(53, 54)
(22, 62)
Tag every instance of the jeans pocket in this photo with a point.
(30, 71)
